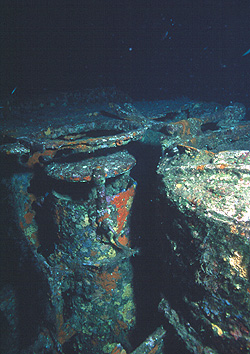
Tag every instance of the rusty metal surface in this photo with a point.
(84, 137)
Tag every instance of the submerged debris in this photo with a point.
(206, 195)
(70, 198)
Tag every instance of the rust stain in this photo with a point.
(29, 217)
(222, 166)
(200, 167)
(34, 159)
(121, 202)
(123, 240)
(154, 350)
(108, 280)
(185, 126)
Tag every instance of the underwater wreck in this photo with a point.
(67, 198)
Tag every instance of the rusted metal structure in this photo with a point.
(205, 204)
(67, 179)
(72, 209)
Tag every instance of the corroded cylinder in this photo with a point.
(92, 226)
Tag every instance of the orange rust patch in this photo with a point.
(200, 167)
(35, 157)
(233, 229)
(222, 166)
(80, 145)
(108, 280)
(188, 147)
(119, 142)
(105, 216)
(87, 178)
(185, 126)
(76, 179)
(211, 153)
(28, 217)
(154, 350)
(123, 240)
(57, 217)
(118, 350)
(193, 141)
(121, 201)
